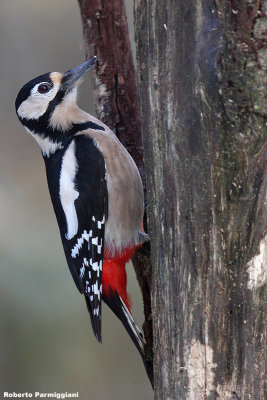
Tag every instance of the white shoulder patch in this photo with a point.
(47, 145)
(67, 192)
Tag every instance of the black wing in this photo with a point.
(84, 246)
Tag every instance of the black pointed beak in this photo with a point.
(73, 75)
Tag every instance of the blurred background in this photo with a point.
(46, 339)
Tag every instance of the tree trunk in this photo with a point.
(106, 35)
(202, 83)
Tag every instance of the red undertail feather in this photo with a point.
(114, 278)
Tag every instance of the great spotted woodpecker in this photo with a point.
(95, 188)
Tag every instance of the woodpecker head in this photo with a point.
(46, 105)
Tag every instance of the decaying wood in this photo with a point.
(202, 73)
(106, 35)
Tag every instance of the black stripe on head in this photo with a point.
(25, 91)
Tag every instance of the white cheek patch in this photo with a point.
(47, 145)
(67, 192)
(33, 108)
(36, 104)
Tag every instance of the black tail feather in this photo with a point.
(95, 319)
(117, 305)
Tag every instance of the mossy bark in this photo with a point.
(202, 84)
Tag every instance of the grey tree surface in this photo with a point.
(202, 82)
(202, 78)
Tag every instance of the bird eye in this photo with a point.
(43, 88)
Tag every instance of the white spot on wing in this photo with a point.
(80, 241)
(95, 241)
(85, 261)
(96, 266)
(100, 223)
(67, 191)
(96, 311)
(87, 287)
(97, 290)
(82, 271)
(99, 246)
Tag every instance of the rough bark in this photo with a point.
(106, 35)
(202, 83)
